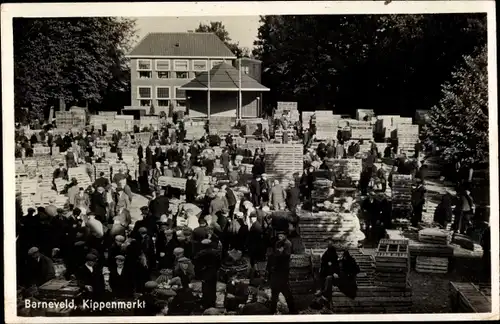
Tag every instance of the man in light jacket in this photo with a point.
(277, 196)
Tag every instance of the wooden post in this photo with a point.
(208, 92)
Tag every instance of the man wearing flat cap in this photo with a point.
(90, 278)
(279, 270)
(151, 306)
(184, 270)
(40, 268)
(116, 248)
(166, 242)
(207, 263)
(184, 302)
(121, 278)
(259, 307)
(159, 205)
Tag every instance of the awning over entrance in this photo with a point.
(224, 77)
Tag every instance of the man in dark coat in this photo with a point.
(293, 198)
(98, 205)
(207, 263)
(152, 305)
(121, 278)
(417, 202)
(159, 205)
(191, 189)
(143, 177)
(91, 279)
(330, 270)
(101, 181)
(40, 268)
(258, 307)
(61, 172)
(147, 248)
(231, 200)
(279, 266)
(371, 208)
(255, 190)
(184, 301)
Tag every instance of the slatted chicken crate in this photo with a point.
(435, 236)
(373, 300)
(81, 175)
(392, 263)
(467, 297)
(316, 228)
(431, 265)
(221, 125)
(179, 183)
(283, 159)
(401, 194)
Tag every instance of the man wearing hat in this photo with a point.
(159, 205)
(417, 202)
(199, 234)
(184, 302)
(119, 176)
(151, 307)
(60, 172)
(255, 190)
(121, 278)
(184, 270)
(102, 181)
(372, 210)
(219, 204)
(279, 269)
(190, 189)
(184, 243)
(98, 205)
(165, 246)
(40, 268)
(207, 263)
(90, 278)
(146, 243)
(259, 307)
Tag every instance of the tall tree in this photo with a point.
(459, 122)
(219, 29)
(77, 59)
(392, 63)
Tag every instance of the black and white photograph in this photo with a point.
(324, 160)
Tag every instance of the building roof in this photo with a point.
(224, 77)
(182, 45)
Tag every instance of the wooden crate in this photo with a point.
(81, 175)
(468, 298)
(431, 264)
(179, 183)
(435, 236)
(41, 150)
(102, 167)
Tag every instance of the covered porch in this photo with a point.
(224, 91)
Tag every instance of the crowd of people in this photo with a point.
(187, 236)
